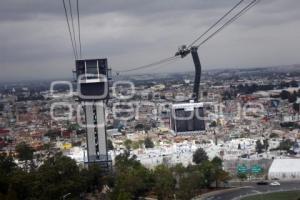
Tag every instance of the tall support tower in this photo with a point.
(93, 91)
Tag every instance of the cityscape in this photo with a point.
(190, 132)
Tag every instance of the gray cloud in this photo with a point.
(35, 41)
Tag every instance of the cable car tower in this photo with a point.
(93, 90)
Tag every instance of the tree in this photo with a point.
(284, 94)
(60, 175)
(242, 176)
(148, 143)
(266, 144)
(164, 182)
(274, 135)
(259, 146)
(294, 83)
(132, 180)
(53, 133)
(219, 173)
(110, 145)
(127, 143)
(208, 173)
(213, 124)
(189, 184)
(92, 177)
(139, 127)
(199, 156)
(286, 145)
(7, 167)
(25, 153)
(296, 107)
(293, 98)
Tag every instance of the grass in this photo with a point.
(293, 195)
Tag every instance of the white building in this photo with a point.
(285, 169)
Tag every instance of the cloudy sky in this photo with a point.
(35, 43)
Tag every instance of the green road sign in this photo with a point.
(256, 169)
(242, 169)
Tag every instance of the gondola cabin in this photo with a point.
(187, 118)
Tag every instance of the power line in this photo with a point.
(79, 34)
(69, 29)
(216, 23)
(72, 20)
(234, 18)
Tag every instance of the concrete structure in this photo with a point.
(92, 83)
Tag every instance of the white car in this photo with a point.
(275, 183)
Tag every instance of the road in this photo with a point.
(254, 189)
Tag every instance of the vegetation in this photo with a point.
(274, 135)
(200, 156)
(293, 195)
(286, 145)
(25, 153)
(148, 143)
(133, 180)
(60, 175)
(260, 147)
(127, 143)
(110, 145)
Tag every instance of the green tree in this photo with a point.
(208, 171)
(219, 174)
(164, 182)
(241, 177)
(189, 184)
(59, 175)
(21, 184)
(296, 107)
(213, 124)
(92, 177)
(293, 98)
(266, 144)
(274, 135)
(127, 143)
(53, 133)
(7, 167)
(284, 94)
(148, 143)
(25, 153)
(110, 145)
(259, 146)
(199, 156)
(286, 145)
(132, 180)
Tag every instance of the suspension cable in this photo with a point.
(79, 34)
(216, 23)
(72, 25)
(69, 29)
(234, 18)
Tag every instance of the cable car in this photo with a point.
(92, 77)
(188, 118)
